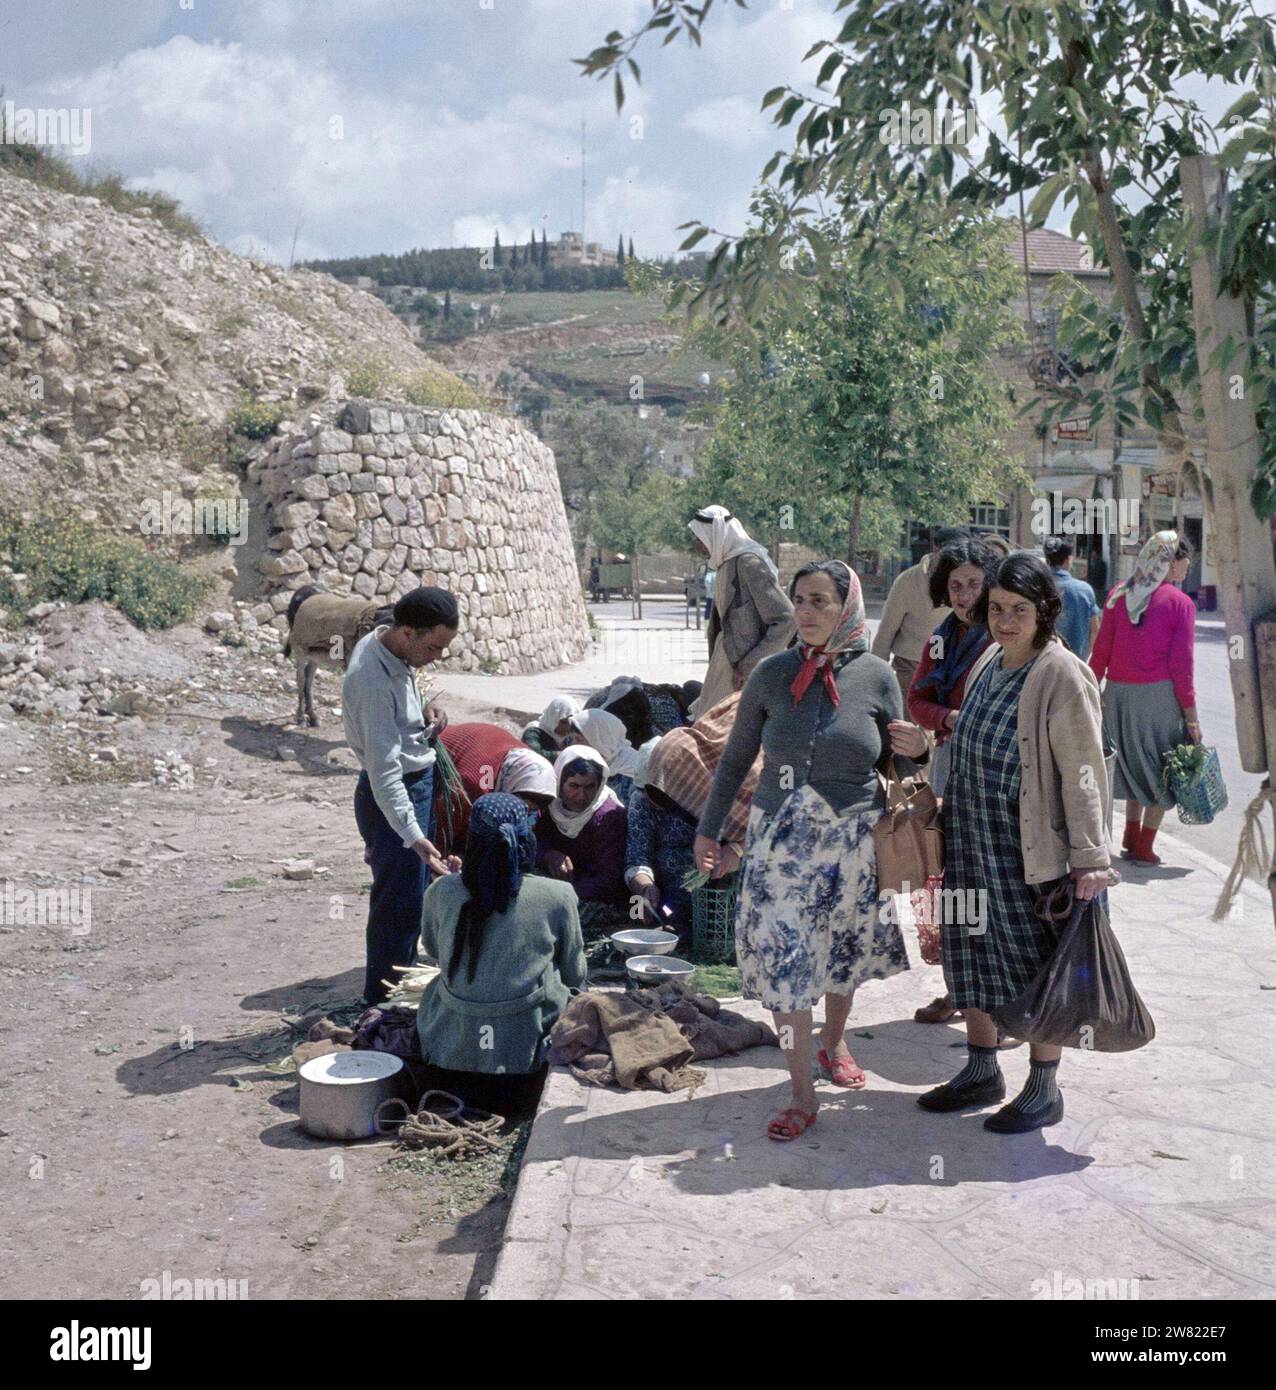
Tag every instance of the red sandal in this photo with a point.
(843, 1071)
(792, 1124)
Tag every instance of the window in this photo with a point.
(991, 516)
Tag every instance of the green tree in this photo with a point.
(850, 410)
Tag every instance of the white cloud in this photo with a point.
(730, 120)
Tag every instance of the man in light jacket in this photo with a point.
(394, 799)
(751, 616)
(909, 618)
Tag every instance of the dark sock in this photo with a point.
(1041, 1089)
(981, 1065)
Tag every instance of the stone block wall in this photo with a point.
(387, 497)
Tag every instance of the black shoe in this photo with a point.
(1008, 1120)
(950, 1097)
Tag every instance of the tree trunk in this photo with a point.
(1241, 541)
(853, 538)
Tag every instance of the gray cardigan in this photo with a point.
(837, 750)
(533, 957)
(759, 616)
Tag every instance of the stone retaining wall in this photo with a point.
(393, 496)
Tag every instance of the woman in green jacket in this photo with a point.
(510, 955)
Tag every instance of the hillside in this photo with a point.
(584, 345)
(124, 347)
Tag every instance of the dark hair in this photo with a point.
(995, 542)
(836, 571)
(426, 608)
(966, 551)
(581, 767)
(1028, 577)
(1057, 549)
(946, 535)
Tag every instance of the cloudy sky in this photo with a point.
(380, 125)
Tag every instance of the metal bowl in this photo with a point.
(654, 970)
(644, 941)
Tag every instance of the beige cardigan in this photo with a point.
(1063, 791)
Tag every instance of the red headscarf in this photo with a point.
(850, 634)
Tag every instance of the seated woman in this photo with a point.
(671, 787)
(606, 735)
(552, 732)
(582, 838)
(658, 854)
(489, 759)
(510, 955)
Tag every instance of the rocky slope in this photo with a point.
(123, 348)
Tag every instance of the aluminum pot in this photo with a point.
(342, 1091)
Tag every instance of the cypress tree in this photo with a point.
(447, 304)
(631, 248)
(514, 256)
(496, 250)
(620, 250)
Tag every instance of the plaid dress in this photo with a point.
(992, 955)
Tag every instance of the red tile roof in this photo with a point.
(1050, 251)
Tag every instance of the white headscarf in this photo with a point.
(725, 538)
(644, 757)
(559, 708)
(571, 823)
(604, 732)
(526, 771)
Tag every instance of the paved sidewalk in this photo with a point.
(659, 649)
(1163, 1171)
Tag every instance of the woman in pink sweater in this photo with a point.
(1144, 648)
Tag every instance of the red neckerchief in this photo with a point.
(812, 657)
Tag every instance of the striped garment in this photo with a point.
(992, 956)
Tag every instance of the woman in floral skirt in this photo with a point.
(826, 715)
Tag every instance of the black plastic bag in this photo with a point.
(1083, 995)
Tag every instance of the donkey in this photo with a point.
(323, 630)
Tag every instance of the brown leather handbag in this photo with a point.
(909, 837)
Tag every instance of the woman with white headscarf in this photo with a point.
(603, 732)
(752, 616)
(549, 735)
(582, 837)
(1144, 649)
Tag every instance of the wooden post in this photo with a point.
(1241, 542)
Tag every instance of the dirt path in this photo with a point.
(143, 1127)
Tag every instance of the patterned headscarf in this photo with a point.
(1150, 572)
(850, 634)
(525, 771)
(499, 849)
(724, 538)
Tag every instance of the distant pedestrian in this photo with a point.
(710, 586)
(1145, 651)
(827, 716)
(911, 613)
(751, 616)
(393, 800)
(1025, 810)
(1079, 621)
